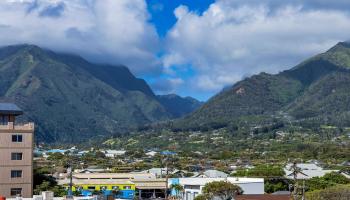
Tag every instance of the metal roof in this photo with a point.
(262, 197)
(114, 176)
(95, 182)
(150, 184)
(10, 109)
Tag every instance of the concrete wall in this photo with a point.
(26, 164)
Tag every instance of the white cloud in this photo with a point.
(107, 31)
(167, 85)
(229, 41)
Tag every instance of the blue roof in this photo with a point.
(10, 108)
(56, 151)
(167, 153)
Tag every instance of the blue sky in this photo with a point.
(162, 11)
(188, 47)
(163, 18)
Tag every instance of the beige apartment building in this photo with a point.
(16, 153)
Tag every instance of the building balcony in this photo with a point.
(20, 127)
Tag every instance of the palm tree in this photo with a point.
(178, 188)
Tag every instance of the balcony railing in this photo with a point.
(14, 126)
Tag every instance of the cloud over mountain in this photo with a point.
(232, 39)
(110, 31)
(201, 53)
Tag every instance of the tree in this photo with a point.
(337, 178)
(44, 186)
(340, 192)
(201, 197)
(47, 186)
(328, 180)
(261, 171)
(221, 189)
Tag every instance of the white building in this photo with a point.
(158, 172)
(151, 153)
(194, 186)
(212, 174)
(114, 153)
(309, 169)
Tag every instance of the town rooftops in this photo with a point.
(234, 180)
(215, 174)
(263, 197)
(10, 109)
(310, 170)
(159, 183)
(95, 182)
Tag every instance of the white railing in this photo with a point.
(12, 126)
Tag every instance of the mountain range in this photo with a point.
(317, 89)
(72, 100)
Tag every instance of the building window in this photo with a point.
(16, 156)
(91, 188)
(17, 138)
(127, 187)
(16, 191)
(4, 120)
(16, 173)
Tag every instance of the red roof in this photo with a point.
(262, 197)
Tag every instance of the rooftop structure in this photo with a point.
(125, 176)
(158, 172)
(263, 197)
(146, 184)
(310, 170)
(213, 174)
(10, 109)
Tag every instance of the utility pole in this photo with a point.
(295, 172)
(166, 160)
(166, 180)
(70, 171)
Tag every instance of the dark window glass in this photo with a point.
(4, 120)
(16, 173)
(16, 156)
(17, 138)
(91, 188)
(16, 191)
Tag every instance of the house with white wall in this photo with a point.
(194, 186)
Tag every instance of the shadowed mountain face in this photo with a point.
(179, 106)
(73, 100)
(318, 87)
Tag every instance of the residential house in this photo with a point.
(309, 169)
(194, 186)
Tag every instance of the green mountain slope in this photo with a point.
(259, 95)
(71, 99)
(316, 87)
(179, 106)
(329, 96)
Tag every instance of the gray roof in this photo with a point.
(281, 193)
(215, 174)
(10, 109)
